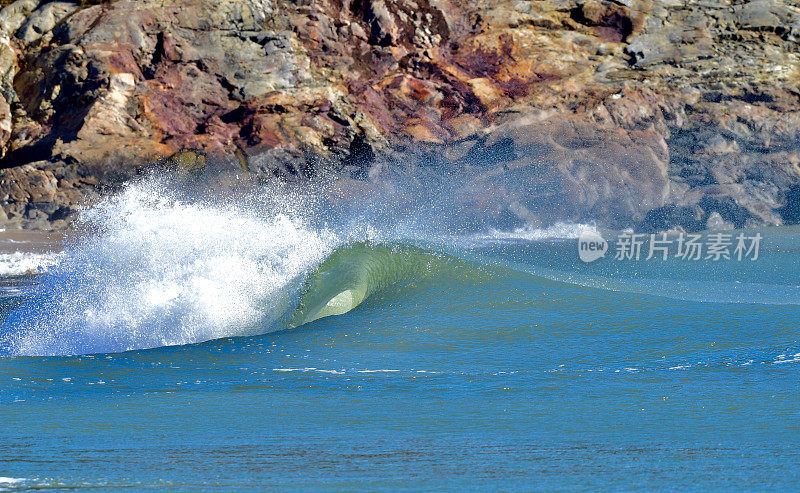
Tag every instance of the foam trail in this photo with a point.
(160, 270)
(557, 231)
(7, 481)
(21, 263)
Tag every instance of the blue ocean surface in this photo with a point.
(184, 347)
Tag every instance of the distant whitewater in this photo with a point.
(558, 231)
(22, 263)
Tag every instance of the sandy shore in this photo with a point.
(23, 241)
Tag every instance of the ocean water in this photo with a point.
(179, 344)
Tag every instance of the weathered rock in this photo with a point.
(14, 15)
(715, 222)
(769, 15)
(44, 19)
(790, 211)
(43, 196)
(8, 68)
(383, 30)
(672, 216)
(656, 113)
(186, 161)
(5, 125)
(574, 169)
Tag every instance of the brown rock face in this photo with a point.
(5, 124)
(8, 66)
(625, 112)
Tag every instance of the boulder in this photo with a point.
(44, 19)
(5, 125)
(14, 15)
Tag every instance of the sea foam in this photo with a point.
(20, 263)
(158, 269)
(528, 233)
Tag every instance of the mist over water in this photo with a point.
(170, 261)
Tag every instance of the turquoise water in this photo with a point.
(473, 362)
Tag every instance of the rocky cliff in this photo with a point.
(654, 113)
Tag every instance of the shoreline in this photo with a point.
(30, 241)
(25, 252)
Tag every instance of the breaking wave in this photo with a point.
(154, 267)
(157, 270)
(161, 265)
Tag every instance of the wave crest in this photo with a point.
(159, 270)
